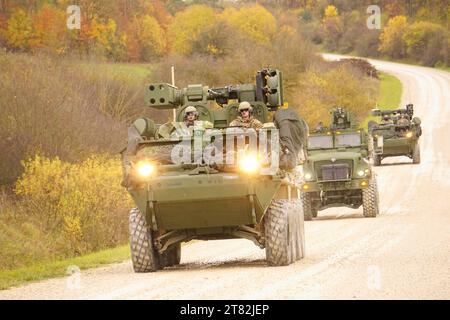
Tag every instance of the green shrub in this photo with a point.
(63, 210)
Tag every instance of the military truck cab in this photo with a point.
(337, 172)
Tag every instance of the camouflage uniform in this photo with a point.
(387, 120)
(249, 123)
(403, 121)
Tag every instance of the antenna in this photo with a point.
(173, 84)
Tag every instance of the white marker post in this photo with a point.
(173, 84)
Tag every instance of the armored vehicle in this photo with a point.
(396, 134)
(337, 171)
(211, 181)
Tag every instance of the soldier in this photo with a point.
(245, 118)
(403, 121)
(319, 127)
(386, 120)
(190, 116)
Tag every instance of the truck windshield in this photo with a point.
(348, 140)
(320, 142)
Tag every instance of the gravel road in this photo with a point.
(403, 253)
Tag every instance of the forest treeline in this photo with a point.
(146, 30)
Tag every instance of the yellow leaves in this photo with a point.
(145, 39)
(187, 25)
(19, 32)
(72, 228)
(254, 21)
(42, 179)
(319, 91)
(391, 39)
(103, 33)
(330, 12)
(76, 198)
(427, 42)
(212, 49)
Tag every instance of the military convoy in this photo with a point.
(201, 177)
(396, 134)
(337, 171)
(183, 190)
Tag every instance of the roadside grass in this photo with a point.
(390, 91)
(444, 68)
(140, 70)
(124, 69)
(10, 278)
(389, 96)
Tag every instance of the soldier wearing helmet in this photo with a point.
(190, 116)
(245, 118)
(403, 121)
(386, 120)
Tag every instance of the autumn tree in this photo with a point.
(106, 41)
(391, 39)
(187, 25)
(50, 27)
(145, 39)
(254, 22)
(427, 42)
(332, 27)
(19, 33)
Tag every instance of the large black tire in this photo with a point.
(143, 255)
(416, 154)
(370, 199)
(306, 204)
(172, 256)
(376, 160)
(284, 233)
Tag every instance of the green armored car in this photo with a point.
(396, 134)
(337, 171)
(211, 181)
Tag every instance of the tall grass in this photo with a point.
(63, 108)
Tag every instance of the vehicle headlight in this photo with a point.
(249, 164)
(409, 134)
(308, 176)
(145, 169)
(361, 173)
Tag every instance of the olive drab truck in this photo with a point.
(212, 181)
(397, 133)
(337, 171)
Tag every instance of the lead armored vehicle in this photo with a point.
(396, 134)
(210, 181)
(337, 171)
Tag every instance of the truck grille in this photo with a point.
(335, 172)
